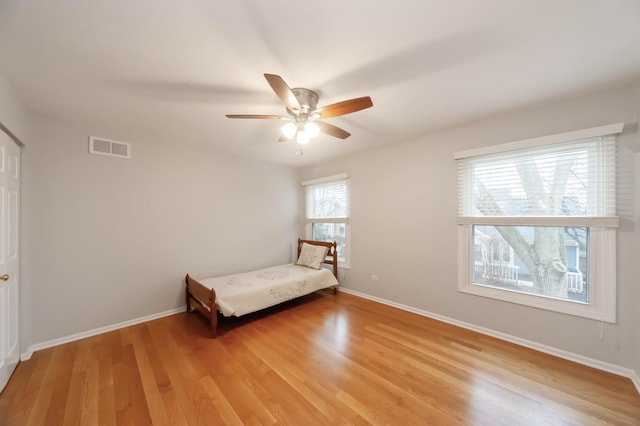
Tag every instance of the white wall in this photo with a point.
(13, 114)
(404, 205)
(110, 240)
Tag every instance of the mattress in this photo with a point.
(247, 292)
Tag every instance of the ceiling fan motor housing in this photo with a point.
(308, 100)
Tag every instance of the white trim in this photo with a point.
(635, 378)
(341, 176)
(89, 333)
(560, 353)
(575, 135)
(593, 222)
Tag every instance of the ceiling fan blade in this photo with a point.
(269, 117)
(332, 130)
(344, 107)
(283, 91)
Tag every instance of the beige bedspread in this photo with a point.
(243, 293)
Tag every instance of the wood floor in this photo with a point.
(324, 359)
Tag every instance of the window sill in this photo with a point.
(580, 309)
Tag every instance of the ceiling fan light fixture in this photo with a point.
(302, 137)
(311, 129)
(289, 130)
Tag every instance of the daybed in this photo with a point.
(244, 293)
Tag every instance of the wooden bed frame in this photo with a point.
(202, 299)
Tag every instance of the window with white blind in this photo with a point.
(537, 222)
(327, 212)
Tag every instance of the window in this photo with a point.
(327, 213)
(537, 222)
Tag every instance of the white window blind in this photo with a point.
(573, 179)
(328, 200)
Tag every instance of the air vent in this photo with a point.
(109, 147)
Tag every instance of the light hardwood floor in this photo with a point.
(323, 359)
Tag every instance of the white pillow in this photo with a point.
(312, 256)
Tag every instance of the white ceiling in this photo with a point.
(174, 68)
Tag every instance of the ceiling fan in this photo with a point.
(301, 105)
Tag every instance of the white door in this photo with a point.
(9, 257)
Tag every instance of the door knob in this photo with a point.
(5, 277)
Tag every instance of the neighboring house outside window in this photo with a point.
(327, 213)
(537, 222)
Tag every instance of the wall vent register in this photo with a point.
(102, 146)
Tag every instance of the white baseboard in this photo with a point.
(635, 378)
(580, 359)
(55, 342)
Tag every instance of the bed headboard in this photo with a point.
(332, 253)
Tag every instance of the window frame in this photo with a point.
(602, 251)
(602, 270)
(346, 264)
